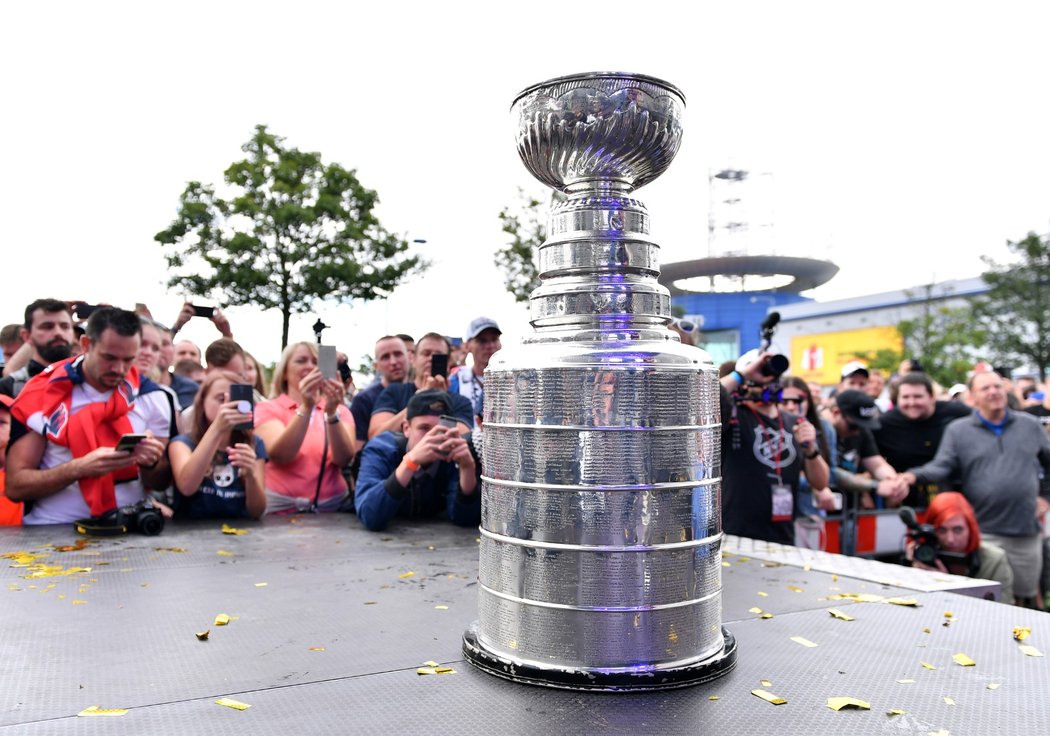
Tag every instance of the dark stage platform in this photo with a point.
(330, 623)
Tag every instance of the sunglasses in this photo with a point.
(685, 325)
(791, 400)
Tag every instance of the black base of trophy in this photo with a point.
(581, 679)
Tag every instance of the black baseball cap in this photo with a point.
(858, 408)
(428, 403)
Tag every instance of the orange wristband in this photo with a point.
(411, 465)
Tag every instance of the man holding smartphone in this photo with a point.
(63, 457)
(389, 413)
(425, 469)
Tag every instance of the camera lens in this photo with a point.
(150, 523)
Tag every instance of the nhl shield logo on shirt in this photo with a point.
(773, 447)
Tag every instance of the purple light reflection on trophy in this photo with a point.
(600, 564)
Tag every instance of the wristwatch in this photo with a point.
(812, 455)
(334, 419)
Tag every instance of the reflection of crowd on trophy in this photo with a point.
(968, 467)
(107, 417)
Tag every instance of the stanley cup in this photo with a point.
(601, 470)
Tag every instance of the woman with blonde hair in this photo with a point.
(308, 433)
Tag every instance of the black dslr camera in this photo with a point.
(927, 548)
(142, 517)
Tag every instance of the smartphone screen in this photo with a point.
(128, 442)
(439, 364)
(206, 312)
(242, 392)
(326, 361)
(447, 421)
(85, 310)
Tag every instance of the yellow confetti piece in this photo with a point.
(994, 685)
(927, 665)
(406, 575)
(769, 697)
(170, 549)
(949, 701)
(713, 697)
(834, 578)
(838, 703)
(231, 703)
(316, 649)
(94, 710)
(766, 616)
(425, 671)
(1029, 650)
(1022, 632)
(222, 619)
(202, 635)
(755, 610)
(857, 597)
(807, 568)
(430, 663)
(903, 601)
(772, 564)
(444, 671)
(763, 594)
(224, 553)
(949, 614)
(962, 659)
(261, 585)
(766, 683)
(227, 529)
(803, 641)
(906, 682)
(795, 588)
(926, 629)
(840, 615)
(726, 564)
(79, 603)
(441, 608)
(895, 712)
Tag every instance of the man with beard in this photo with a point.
(49, 329)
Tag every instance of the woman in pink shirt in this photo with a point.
(308, 434)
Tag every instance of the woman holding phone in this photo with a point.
(309, 434)
(218, 466)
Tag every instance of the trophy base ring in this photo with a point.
(593, 680)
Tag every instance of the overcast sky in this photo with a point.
(904, 139)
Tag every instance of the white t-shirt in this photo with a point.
(152, 412)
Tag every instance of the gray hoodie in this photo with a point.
(1001, 476)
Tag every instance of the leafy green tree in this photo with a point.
(294, 231)
(1016, 309)
(526, 224)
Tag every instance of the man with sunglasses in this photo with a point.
(764, 453)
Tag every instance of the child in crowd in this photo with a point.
(218, 469)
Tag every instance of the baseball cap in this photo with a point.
(959, 388)
(481, 324)
(854, 366)
(6, 400)
(428, 403)
(859, 409)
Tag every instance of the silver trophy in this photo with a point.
(601, 519)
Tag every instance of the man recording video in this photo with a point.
(764, 451)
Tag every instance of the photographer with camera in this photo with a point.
(764, 451)
(950, 542)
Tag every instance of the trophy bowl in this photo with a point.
(608, 130)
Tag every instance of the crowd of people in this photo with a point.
(973, 460)
(103, 409)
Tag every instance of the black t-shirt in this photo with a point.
(852, 450)
(754, 448)
(361, 408)
(1041, 413)
(908, 444)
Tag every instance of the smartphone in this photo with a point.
(129, 442)
(242, 394)
(206, 312)
(439, 364)
(837, 496)
(326, 361)
(447, 421)
(83, 311)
